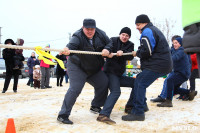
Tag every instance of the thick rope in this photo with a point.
(55, 50)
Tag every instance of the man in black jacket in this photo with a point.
(115, 67)
(86, 68)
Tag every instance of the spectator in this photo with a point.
(37, 76)
(8, 56)
(59, 71)
(45, 69)
(194, 72)
(32, 61)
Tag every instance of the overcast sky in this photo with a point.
(41, 22)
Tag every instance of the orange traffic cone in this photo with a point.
(10, 128)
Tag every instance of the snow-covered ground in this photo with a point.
(35, 111)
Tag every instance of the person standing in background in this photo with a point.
(32, 61)
(60, 73)
(45, 69)
(194, 72)
(8, 56)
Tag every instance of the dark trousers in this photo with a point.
(194, 75)
(36, 83)
(59, 79)
(173, 85)
(45, 76)
(7, 81)
(142, 81)
(115, 82)
(78, 78)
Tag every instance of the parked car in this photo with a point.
(2, 68)
(24, 72)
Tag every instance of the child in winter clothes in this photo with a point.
(18, 58)
(37, 76)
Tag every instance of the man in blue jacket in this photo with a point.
(181, 73)
(155, 58)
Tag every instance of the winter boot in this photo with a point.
(192, 94)
(167, 103)
(158, 99)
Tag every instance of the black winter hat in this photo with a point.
(126, 30)
(142, 19)
(9, 41)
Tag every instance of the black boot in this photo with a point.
(132, 117)
(64, 120)
(167, 103)
(192, 94)
(158, 99)
(3, 91)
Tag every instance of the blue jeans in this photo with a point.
(142, 81)
(115, 82)
(164, 89)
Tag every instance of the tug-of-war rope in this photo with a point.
(41, 52)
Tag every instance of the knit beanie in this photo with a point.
(142, 19)
(179, 39)
(126, 30)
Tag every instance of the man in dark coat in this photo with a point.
(86, 68)
(32, 61)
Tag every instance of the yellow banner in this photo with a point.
(43, 54)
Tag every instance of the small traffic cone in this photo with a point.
(10, 128)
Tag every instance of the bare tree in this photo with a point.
(166, 27)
